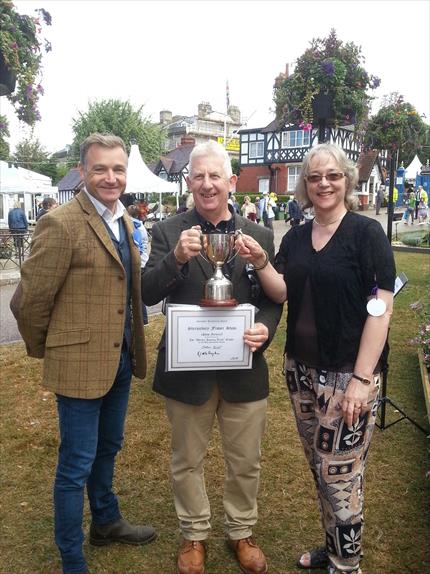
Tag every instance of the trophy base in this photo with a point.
(213, 303)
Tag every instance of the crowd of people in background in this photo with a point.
(265, 208)
(416, 206)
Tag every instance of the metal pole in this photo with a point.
(321, 130)
(390, 199)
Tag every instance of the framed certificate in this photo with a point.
(207, 338)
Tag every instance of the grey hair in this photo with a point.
(345, 165)
(104, 140)
(212, 148)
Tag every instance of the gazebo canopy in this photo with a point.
(413, 169)
(20, 180)
(140, 178)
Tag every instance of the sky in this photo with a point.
(175, 54)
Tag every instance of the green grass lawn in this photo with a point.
(397, 533)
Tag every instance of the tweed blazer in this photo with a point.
(70, 303)
(162, 278)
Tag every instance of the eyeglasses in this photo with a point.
(316, 178)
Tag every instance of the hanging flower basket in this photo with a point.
(21, 49)
(329, 83)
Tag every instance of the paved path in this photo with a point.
(10, 277)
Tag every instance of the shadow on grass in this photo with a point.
(397, 492)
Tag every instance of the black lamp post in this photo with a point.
(391, 197)
(322, 108)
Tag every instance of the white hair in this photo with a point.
(210, 148)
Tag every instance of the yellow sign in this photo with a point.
(232, 144)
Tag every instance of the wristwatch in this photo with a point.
(361, 379)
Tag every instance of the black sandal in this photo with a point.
(318, 559)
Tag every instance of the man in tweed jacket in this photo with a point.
(238, 398)
(78, 307)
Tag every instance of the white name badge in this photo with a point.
(376, 307)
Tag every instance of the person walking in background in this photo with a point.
(409, 208)
(379, 199)
(48, 204)
(417, 202)
(422, 210)
(258, 206)
(267, 205)
(248, 209)
(140, 238)
(18, 226)
(79, 290)
(233, 201)
(422, 198)
(338, 273)
(294, 212)
(238, 398)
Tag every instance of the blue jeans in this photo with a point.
(91, 433)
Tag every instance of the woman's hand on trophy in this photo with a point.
(250, 250)
(256, 336)
(189, 245)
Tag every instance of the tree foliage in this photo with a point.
(121, 119)
(398, 127)
(235, 167)
(30, 153)
(4, 133)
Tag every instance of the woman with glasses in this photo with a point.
(338, 274)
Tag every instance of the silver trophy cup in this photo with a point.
(218, 249)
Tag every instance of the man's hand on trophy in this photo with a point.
(256, 336)
(189, 245)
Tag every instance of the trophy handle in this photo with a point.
(236, 234)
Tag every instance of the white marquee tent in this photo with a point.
(413, 169)
(24, 186)
(140, 178)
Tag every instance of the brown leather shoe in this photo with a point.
(191, 557)
(250, 557)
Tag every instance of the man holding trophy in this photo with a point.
(184, 251)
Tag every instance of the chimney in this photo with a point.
(165, 117)
(287, 70)
(204, 109)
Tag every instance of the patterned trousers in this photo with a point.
(336, 455)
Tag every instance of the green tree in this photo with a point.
(4, 133)
(30, 154)
(397, 127)
(121, 119)
(235, 166)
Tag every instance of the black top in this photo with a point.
(341, 276)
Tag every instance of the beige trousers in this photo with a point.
(242, 427)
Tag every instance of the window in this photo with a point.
(263, 185)
(256, 149)
(296, 138)
(293, 175)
